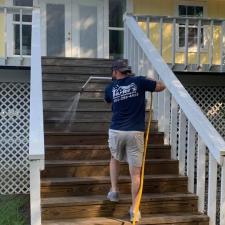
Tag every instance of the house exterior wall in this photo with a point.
(213, 9)
(2, 31)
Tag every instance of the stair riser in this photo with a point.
(65, 95)
(73, 154)
(118, 210)
(103, 170)
(84, 115)
(82, 127)
(91, 140)
(73, 86)
(93, 71)
(77, 62)
(75, 189)
(70, 105)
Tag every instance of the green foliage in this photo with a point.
(13, 210)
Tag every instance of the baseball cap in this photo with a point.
(121, 65)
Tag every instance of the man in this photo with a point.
(126, 133)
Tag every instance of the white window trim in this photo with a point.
(10, 31)
(202, 3)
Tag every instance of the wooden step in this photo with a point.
(71, 85)
(154, 219)
(64, 95)
(92, 70)
(90, 138)
(67, 123)
(97, 152)
(84, 103)
(80, 186)
(76, 62)
(84, 168)
(97, 206)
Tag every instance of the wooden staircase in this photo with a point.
(76, 180)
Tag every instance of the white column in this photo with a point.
(222, 197)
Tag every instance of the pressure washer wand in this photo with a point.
(94, 78)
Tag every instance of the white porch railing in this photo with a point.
(186, 128)
(187, 43)
(36, 137)
(8, 56)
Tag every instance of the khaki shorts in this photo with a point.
(127, 146)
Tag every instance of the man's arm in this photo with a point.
(160, 86)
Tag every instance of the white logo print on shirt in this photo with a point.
(124, 92)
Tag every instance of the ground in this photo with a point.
(14, 210)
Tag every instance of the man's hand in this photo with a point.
(160, 86)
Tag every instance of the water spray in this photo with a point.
(94, 78)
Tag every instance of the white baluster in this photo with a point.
(174, 43)
(182, 142)
(21, 33)
(5, 35)
(211, 44)
(191, 157)
(222, 197)
(186, 43)
(161, 36)
(161, 111)
(222, 46)
(212, 188)
(147, 27)
(173, 129)
(199, 44)
(201, 175)
(166, 117)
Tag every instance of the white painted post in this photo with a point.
(222, 196)
(5, 34)
(201, 174)
(199, 44)
(174, 43)
(147, 27)
(161, 36)
(182, 142)
(173, 128)
(166, 117)
(35, 196)
(186, 43)
(21, 34)
(222, 46)
(125, 42)
(211, 44)
(191, 157)
(212, 189)
(138, 61)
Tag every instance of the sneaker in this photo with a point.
(138, 218)
(113, 196)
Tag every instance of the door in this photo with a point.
(73, 28)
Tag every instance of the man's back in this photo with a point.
(127, 96)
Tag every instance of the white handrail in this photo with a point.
(207, 132)
(36, 147)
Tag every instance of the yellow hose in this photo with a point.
(139, 195)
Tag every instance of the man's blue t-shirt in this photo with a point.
(127, 96)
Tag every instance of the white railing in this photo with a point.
(201, 45)
(11, 17)
(186, 128)
(36, 135)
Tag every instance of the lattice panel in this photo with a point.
(14, 138)
(212, 102)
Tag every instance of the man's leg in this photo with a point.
(135, 173)
(114, 174)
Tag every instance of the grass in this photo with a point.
(14, 210)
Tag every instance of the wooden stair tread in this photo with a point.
(106, 179)
(100, 162)
(124, 198)
(98, 147)
(147, 219)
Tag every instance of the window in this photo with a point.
(25, 32)
(190, 11)
(116, 10)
